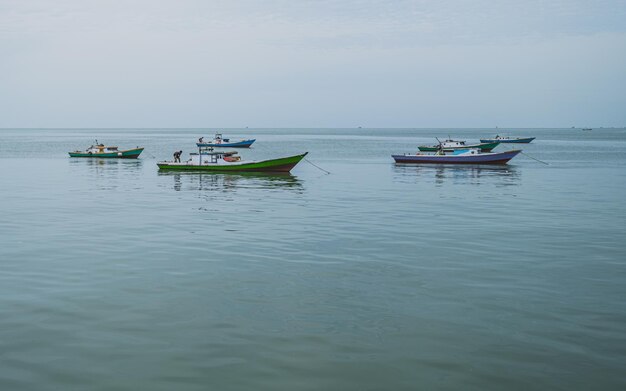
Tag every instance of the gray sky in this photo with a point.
(326, 63)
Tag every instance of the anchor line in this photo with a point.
(318, 167)
(540, 161)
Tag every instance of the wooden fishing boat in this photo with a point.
(468, 156)
(219, 161)
(219, 141)
(500, 139)
(103, 151)
(452, 145)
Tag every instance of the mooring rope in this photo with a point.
(522, 152)
(318, 167)
(540, 161)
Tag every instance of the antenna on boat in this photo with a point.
(440, 149)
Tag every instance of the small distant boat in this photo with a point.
(468, 156)
(221, 142)
(452, 145)
(220, 161)
(587, 129)
(499, 139)
(107, 152)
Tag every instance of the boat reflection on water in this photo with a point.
(101, 166)
(500, 175)
(232, 181)
(108, 174)
(106, 162)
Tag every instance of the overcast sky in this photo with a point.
(299, 63)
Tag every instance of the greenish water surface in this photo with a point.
(114, 276)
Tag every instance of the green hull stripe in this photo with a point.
(131, 153)
(482, 147)
(282, 164)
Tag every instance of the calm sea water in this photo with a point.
(114, 276)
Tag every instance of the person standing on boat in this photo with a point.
(177, 156)
(200, 139)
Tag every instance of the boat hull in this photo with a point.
(486, 158)
(238, 144)
(127, 154)
(510, 140)
(273, 165)
(485, 147)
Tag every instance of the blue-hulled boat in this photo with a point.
(467, 156)
(219, 141)
(499, 139)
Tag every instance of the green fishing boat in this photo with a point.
(452, 145)
(218, 161)
(103, 151)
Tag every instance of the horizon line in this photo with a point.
(341, 127)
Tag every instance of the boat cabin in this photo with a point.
(207, 155)
(453, 144)
(472, 151)
(218, 138)
(101, 148)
